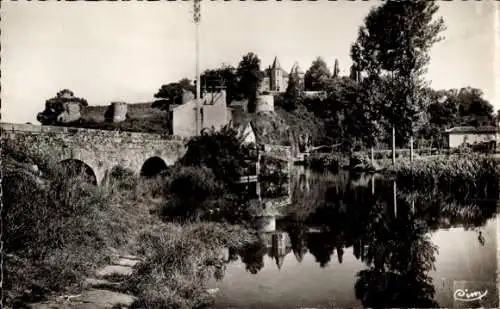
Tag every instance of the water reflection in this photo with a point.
(387, 226)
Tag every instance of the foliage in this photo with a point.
(473, 109)
(403, 49)
(226, 77)
(221, 151)
(55, 234)
(172, 93)
(301, 122)
(347, 112)
(189, 188)
(316, 78)
(180, 260)
(55, 106)
(455, 107)
(159, 125)
(122, 179)
(396, 58)
(450, 172)
(249, 76)
(293, 94)
(331, 161)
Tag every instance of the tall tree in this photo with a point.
(249, 76)
(223, 77)
(473, 108)
(393, 45)
(293, 92)
(336, 70)
(317, 77)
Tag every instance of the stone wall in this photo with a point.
(134, 111)
(99, 149)
(265, 103)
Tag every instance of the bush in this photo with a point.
(122, 179)
(195, 194)
(330, 161)
(221, 151)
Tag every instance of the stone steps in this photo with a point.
(100, 292)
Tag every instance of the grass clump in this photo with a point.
(180, 260)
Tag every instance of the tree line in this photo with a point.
(386, 87)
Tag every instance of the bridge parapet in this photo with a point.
(101, 150)
(30, 128)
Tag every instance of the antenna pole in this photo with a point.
(197, 18)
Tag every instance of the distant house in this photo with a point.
(458, 136)
(275, 78)
(213, 113)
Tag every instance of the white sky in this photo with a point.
(106, 51)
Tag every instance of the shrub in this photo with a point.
(221, 151)
(195, 194)
(122, 179)
(330, 161)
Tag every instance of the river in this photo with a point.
(366, 241)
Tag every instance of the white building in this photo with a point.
(458, 136)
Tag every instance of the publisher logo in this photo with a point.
(466, 295)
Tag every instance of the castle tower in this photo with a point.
(275, 75)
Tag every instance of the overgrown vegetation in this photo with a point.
(449, 173)
(180, 260)
(160, 125)
(61, 230)
(56, 226)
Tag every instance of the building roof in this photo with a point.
(472, 130)
(276, 63)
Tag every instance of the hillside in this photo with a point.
(283, 127)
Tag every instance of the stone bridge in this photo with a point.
(98, 151)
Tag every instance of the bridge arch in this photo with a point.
(76, 168)
(153, 166)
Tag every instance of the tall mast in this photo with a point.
(197, 17)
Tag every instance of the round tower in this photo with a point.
(119, 111)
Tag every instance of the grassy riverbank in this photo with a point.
(62, 230)
(467, 168)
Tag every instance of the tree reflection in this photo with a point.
(337, 213)
(252, 255)
(297, 231)
(399, 255)
(321, 247)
